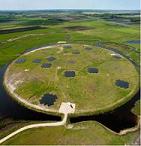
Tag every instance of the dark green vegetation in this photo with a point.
(19, 29)
(111, 30)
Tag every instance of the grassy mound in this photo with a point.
(92, 92)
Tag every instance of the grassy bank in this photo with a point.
(81, 133)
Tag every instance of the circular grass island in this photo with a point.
(91, 78)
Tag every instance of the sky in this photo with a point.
(69, 4)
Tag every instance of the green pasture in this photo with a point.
(85, 133)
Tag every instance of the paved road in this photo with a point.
(63, 122)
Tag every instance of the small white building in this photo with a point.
(67, 107)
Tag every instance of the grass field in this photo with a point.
(87, 90)
(99, 28)
(85, 133)
(53, 34)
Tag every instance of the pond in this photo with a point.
(69, 73)
(51, 58)
(122, 84)
(134, 42)
(48, 99)
(46, 65)
(36, 61)
(20, 60)
(92, 70)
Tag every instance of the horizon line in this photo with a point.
(68, 9)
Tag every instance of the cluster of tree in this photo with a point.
(49, 21)
(7, 18)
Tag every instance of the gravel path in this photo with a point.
(63, 122)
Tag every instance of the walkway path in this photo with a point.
(65, 107)
(63, 122)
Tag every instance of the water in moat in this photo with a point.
(117, 120)
(134, 42)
